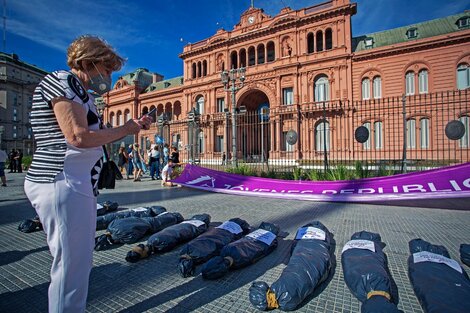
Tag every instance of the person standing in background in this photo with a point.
(3, 158)
(130, 164)
(224, 158)
(19, 161)
(166, 154)
(138, 161)
(154, 162)
(12, 160)
(62, 181)
(175, 155)
(122, 159)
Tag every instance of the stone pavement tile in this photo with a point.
(153, 285)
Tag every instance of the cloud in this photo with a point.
(56, 23)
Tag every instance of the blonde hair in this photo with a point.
(93, 49)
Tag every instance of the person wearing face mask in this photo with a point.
(61, 182)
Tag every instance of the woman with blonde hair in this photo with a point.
(62, 180)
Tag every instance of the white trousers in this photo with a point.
(69, 220)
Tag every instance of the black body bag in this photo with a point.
(243, 252)
(109, 173)
(170, 237)
(210, 244)
(30, 225)
(366, 273)
(465, 254)
(440, 283)
(106, 207)
(130, 230)
(102, 222)
(309, 265)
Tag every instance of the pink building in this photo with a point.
(316, 83)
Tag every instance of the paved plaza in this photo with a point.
(154, 285)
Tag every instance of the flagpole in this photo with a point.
(4, 25)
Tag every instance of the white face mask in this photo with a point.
(98, 83)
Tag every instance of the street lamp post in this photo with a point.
(193, 126)
(229, 79)
(162, 121)
(264, 115)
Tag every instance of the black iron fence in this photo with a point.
(405, 133)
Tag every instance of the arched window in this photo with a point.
(251, 56)
(234, 59)
(377, 87)
(310, 43)
(319, 42)
(204, 68)
(168, 111)
(199, 69)
(119, 120)
(410, 83)
(423, 81)
(322, 136)
(328, 39)
(260, 52)
(378, 135)
(464, 142)
(366, 89)
(242, 56)
(177, 110)
(322, 89)
(271, 52)
(424, 132)
(200, 104)
(111, 119)
(411, 133)
(200, 142)
(176, 139)
(463, 76)
(127, 115)
(193, 74)
(366, 145)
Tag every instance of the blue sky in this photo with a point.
(148, 32)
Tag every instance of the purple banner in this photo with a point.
(442, 183)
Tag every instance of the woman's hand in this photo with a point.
(136, 125)
(72, 121)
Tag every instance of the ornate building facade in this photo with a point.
(17, 82)
(305, 67)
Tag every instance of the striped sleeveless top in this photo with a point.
(51, 146)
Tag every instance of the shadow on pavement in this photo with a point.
(29, 300)
(201, 292)
(16, 255)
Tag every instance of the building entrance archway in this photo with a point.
(254, 127)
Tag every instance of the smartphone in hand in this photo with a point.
(148, 114)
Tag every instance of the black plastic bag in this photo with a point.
(108, 175)
(130, 230)
(170, 237)
(30, 225)
(440, 283)
(102, 222)
(243, 252)
(210, 244)
(106, 207)
(366, 273)
(465, 254)
(309, 265)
